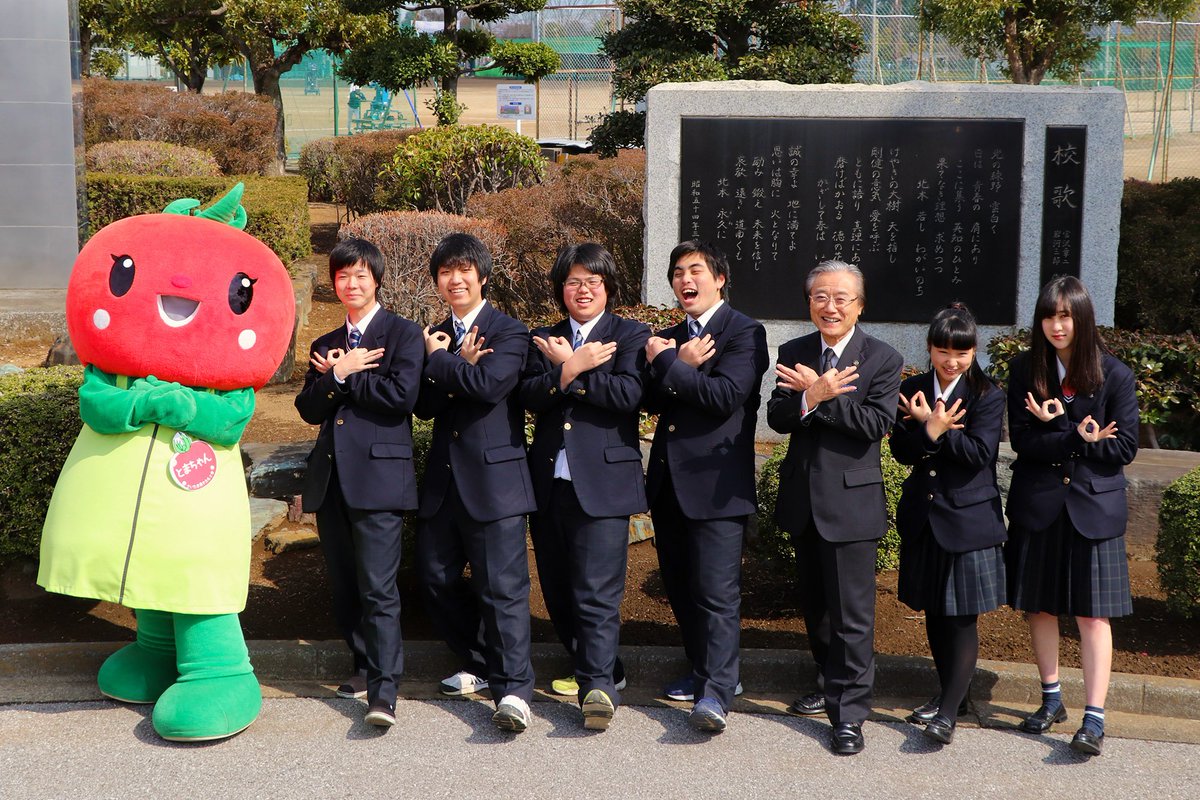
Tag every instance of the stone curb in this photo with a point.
(55, 673)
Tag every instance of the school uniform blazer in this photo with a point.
(705, 436)
(1055, 467)
(952, 486)
(366, 421)
(479, 425)
(832, 472)
(596, 417)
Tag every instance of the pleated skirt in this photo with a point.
(1058, 570)
(937, 581)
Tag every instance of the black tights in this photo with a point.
(954, 642)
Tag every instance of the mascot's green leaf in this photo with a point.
(228, 209)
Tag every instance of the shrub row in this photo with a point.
(1167, 368)
(39, 420)
(1158, 278)
(277, 207)
(355, 171)
(1177, 550)
(151, 158)
(237, 128)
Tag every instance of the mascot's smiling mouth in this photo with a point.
(177, 311)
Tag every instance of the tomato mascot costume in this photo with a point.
(178, 317)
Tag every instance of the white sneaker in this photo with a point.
(512, 714)
(461, 683)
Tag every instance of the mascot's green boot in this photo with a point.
(142, 671)
(216, 694)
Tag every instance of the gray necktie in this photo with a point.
(828, 360)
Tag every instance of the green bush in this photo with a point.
(776, 545)
(314, 165)
(1167, 369)
(277, 207)
(438, 169)
(1158, 260)
(151, 158)
(238, 128)
(39, 420)
(1178, 548)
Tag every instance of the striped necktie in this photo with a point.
(354, 338)
(829, 361)
(693, 329)
(578, 340)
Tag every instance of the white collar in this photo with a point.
(839, 346)
(707, 316)
(585, 329)
(1062, 369)
(364, 322)
(469, 319)
(938, 394)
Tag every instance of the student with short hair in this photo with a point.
(361, 387)
(477, 489)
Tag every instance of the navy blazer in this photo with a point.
(366, 422)
(1055, 467)
(479, 425)
(705, 436)
(596, 417)
(952, 486)
(832, 472)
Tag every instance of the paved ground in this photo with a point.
(319, 748)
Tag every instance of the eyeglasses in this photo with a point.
(839, 300)
(593, 282)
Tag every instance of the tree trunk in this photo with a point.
(266, 83)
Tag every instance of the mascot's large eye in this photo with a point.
(241, 292)
(120, 277)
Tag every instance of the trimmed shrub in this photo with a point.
(39, 420)
(1159, 256)
(315, 166)
(1167, 369)
(238, 128)
(776, 545)
(406, 239)
(587, 199)
(151, 158)
(1178, 548)
(360, 171)
(277, 207)
(438, 169)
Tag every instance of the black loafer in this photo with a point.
(940, 730)
(1087, 742)
(927, 711)
(847, 738)
(1041, 720)
(808, 706)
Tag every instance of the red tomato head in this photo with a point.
(182, 298)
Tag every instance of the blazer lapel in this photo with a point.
(719, 329)
(856, 349)
(374, 335)
(602, 330)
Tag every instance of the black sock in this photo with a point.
(1093, 720)
(955, 645)
(1052, 695)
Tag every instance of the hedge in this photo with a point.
(355, 171)
(277, 206)
(776, 545)
(39, 420)
(1158, 275)
(1178, 548)
(151, 158)
(238, 128)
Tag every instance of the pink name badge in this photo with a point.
(194, 463)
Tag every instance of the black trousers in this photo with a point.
(701, 565)
(484, 621)
(581, 567)
(837, 593)
(362, 557)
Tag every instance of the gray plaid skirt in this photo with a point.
(939, 582)
(1058, 570)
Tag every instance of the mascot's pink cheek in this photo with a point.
(246, 339)
(101, 319)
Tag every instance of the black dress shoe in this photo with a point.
(1041, 720)
(380, 714)
(808, 706)
(927, 711)
(1087, 742)
(847, 738)
(940, 729)
(354, 688)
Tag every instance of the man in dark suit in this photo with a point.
(583, 380)
(477, 489)
(836, 394)
(702, 378)
(361, 388)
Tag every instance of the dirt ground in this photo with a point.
(289, 595)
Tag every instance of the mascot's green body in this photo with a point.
(179, 319)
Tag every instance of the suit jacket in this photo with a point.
(1056, 467)
(596, 417)
(479, 425)
(705, 436)
(366, 422)
(831, 472)
(952, 486)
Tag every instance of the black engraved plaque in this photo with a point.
(1062, 200)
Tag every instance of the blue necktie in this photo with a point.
(354, 338)
(460, 331)
(694, 329)
(829, 361)
(578, 340)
